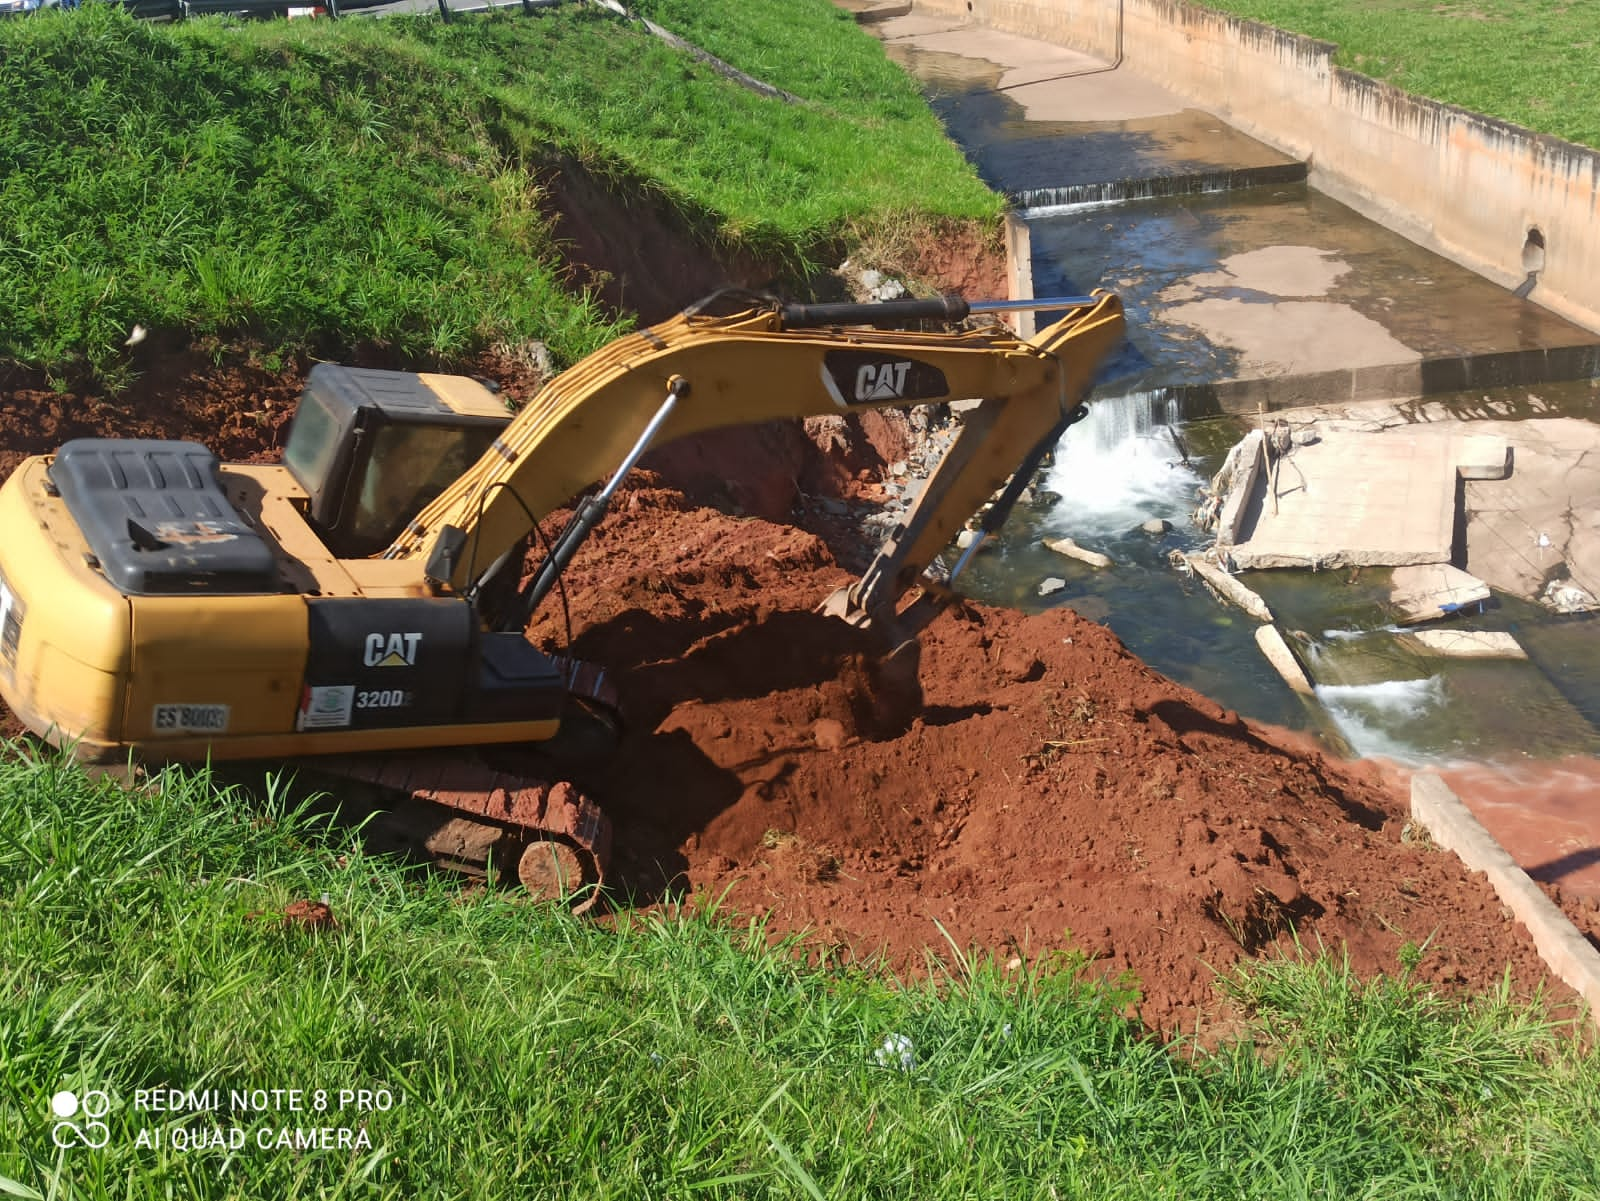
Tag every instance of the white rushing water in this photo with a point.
(1121, 466)
(1356, 635)
(1374, 717)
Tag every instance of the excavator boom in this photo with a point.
(696, 373)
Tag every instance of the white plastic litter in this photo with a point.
(896, 1052)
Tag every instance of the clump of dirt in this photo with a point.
(309, 915)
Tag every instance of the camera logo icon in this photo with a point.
(78, 1121)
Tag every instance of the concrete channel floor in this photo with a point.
(1280, 296)
(1015, 103)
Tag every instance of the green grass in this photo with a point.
(320, 185)
(1533, 62)
(676, 1056)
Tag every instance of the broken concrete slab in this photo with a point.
(1228, 587)
(1539, 522)
(1283, 659)
(1467, 644)
(1482, 457)
(1231, 489)
(1434, 590)
(1352, 499)
(1069, 548)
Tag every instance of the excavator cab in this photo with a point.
(372, 448)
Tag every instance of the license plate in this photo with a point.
(190, 719)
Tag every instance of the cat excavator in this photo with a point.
(362, 606)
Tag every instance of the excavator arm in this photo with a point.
(695, 373)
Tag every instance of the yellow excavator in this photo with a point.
(365, 602)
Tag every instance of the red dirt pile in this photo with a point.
(1052, 791)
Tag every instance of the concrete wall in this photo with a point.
(1468, 186)
(1019, 272)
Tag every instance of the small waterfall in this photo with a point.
(1121, 466)
(1037, 201)
(1375, 719)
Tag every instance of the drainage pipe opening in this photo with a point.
(1533, 251)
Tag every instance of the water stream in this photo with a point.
(1121, 466)
(1180, 260)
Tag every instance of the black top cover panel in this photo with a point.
(155, 515)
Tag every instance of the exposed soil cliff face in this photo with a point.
(638, 257)
(1048, 791)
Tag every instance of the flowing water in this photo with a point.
(1378, 694)
(1112, 472)
(1177, 260)
(1121, 466)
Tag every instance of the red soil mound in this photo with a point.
(1052, 790)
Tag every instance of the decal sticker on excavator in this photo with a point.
(189, 719)
(12, 611)
(392, 650)
(325, 706)
(855, 377)
(377, 662)
(383, 698)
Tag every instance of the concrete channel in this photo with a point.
(1245, 286)
(1519, 207)
(1253, 288)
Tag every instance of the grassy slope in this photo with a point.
(320, 183)
(1533, 62)
(539, 1056)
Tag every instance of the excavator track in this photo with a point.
(472, 815)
